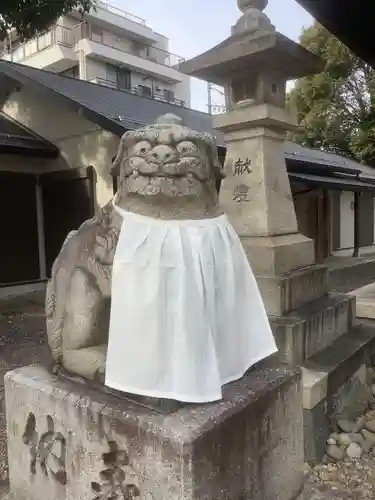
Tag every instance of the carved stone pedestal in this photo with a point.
(68, 442)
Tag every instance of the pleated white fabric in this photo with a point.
(186, 316)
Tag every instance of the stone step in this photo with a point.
(365, 301)
(290, 338)
(289, 291)
(347, 274)
(332, 379)
(313, 327)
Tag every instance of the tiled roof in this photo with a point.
(16, 139)
(118, 111)
(296, 152)
(114, 105)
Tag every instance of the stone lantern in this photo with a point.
(254, 65)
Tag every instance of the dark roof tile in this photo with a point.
(128, 111)
(110, 103)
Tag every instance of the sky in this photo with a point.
(194, 26)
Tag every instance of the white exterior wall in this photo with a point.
(95, 69)
(115, 41)
(68, 22)
(347, 227)
(162, 43)
(81, 143)
(346, 220)
(182, 91)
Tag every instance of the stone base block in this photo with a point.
(273, 255)
(290, 336)
(70, 442)
(284, 293)
(365, 297)
(326, 320)
(365, 308)
(313, 327)
(333, 383)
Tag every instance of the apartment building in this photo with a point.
(110, 47)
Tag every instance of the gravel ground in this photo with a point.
(349, 480)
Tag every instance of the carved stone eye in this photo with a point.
(187, 148)
(142, 148)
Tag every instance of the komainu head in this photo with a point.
(167, 159)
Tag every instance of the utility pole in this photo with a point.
(10, 46)
(209, 95)
(213, 108)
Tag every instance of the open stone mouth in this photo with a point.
(184, 168)
(160, 174)
(173, 184)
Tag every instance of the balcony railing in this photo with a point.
(58, 35)
(149, 52)
(121, 13)
(158, 95)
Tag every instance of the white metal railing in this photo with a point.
(158, 95)
(120, 12)
(57, 35)
(60, 35)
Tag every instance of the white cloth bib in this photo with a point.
(186, 316)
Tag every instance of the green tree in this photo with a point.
(336, 108)
(29, 17)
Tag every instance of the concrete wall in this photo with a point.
(81, 142)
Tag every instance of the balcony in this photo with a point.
(146, 58)
(121, 13)
(159, 95)
(56, 51)
(52, 50)
(123, 23)
(86, 30)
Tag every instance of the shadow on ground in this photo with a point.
(22, 342)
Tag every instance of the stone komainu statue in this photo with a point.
(166, 171)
